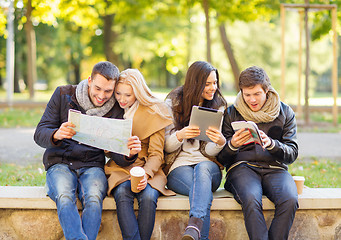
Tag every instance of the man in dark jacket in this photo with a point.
(254, 170)
(73, 168)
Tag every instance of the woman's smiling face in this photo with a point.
(210, 87)
(124, 95)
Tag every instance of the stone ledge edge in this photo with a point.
(14, 197)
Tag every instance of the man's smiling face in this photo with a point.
(100, 89)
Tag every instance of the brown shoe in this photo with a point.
(192, 231)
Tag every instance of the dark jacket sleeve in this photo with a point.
(286, 150)
(122, 160)
(227, 153)
(50, 122)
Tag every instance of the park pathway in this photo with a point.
(17, 146)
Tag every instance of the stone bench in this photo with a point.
(27, 213)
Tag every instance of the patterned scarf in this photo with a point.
(82, 95)
(267, 113)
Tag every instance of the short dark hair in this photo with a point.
(106, 69)
(253, 76)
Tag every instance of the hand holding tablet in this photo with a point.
(205, 118)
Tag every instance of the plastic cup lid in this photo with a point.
(137, 171)
(299, 178)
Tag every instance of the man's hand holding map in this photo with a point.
(104, 133)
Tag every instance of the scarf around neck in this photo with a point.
(267, 113)
(82, 96)
(130, 112)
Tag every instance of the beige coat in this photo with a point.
(150, 128)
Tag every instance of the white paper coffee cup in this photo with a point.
(136, 175)
(299, 180)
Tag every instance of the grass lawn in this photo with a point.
(20, 117)
(39, 96)
(318, 173)
(14, 175)
(322, 173)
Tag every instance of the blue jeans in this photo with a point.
(133, 228)
(248, 183)
(197, 181)
(91, 185)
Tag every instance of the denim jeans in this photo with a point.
(248, 183)
(133, 228)
(197, 181)
(90, 184)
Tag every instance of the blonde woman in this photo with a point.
(150, 117)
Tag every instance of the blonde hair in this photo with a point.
(143, 94)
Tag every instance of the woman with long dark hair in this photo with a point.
(195, 171)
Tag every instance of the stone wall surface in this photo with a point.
(17, 224)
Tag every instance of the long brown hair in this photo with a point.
(184, 97)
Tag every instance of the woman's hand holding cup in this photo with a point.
(138, 179)
(143, 183)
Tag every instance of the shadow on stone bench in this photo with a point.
(27, 213)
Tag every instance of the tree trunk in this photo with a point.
(230, 55)
(76, 57)
(208, 34)
(76, 70)
(18, 55)
(16, 76)
(74, 76)
(109, 39)
(31, 51)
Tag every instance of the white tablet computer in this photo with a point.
(204, 118)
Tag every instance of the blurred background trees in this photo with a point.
(58, 41)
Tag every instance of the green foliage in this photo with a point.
(322, 25)
(19, 117)
(322, 173)
(145, 40)
(44, 11)
(162, 38)
(245, 10)
(81, 13)
(15, 175)
(3, 21)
